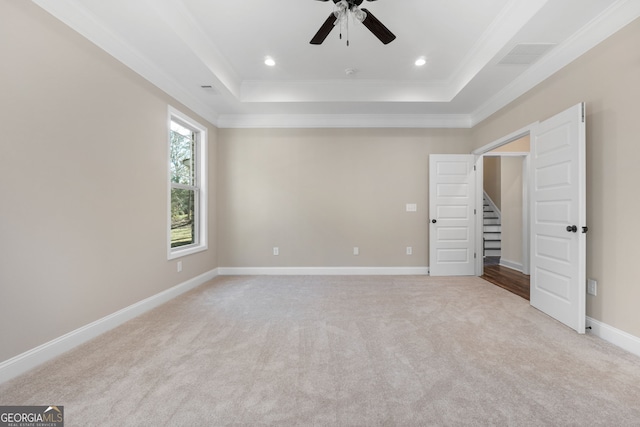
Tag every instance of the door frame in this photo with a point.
(526, 225)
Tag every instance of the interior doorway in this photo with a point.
(556, 211)
(505, 236)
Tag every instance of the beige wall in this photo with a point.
(521, 145)
(511, 190)
(83, 193)
(606, 78)
(317, 193)
(491, 179)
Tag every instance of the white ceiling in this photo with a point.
(182, 45)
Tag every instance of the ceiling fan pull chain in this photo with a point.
(347, 20)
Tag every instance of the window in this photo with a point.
(187, 185)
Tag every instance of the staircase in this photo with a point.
(492, 229)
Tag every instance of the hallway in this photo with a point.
(507, 278)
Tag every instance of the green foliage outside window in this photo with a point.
(183, 186)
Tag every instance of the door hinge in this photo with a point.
(583, 108)
(475, 255)
(474, 167)
(474, 212)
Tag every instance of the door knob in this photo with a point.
(572, 228)
(433, 221)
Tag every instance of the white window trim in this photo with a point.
(202, 169)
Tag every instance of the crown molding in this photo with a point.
(74, 15)
(351, 90)
(616, 17)
(503, 28)
(185, 27)
(344, 121)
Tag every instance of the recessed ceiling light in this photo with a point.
(269, 61)
(420, 61)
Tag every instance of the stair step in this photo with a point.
(492, 230)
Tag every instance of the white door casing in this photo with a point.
(452, 194)
(558, 196)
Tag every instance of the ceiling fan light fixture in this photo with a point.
(359, 14)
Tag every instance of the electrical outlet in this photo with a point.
(179, 266)
(409, 250)
(356, 250)
(592, 287)
(412, 207)
(276, 251)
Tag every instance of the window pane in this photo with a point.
(182, 158)
(182, 217)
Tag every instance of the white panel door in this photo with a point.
(452, 217)
(558, 215)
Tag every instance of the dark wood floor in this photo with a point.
(507, 278)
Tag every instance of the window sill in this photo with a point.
(179, 253)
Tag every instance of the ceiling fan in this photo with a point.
(343, 8)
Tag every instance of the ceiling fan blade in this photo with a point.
(324, 31)
(377, 28)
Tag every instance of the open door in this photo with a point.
(452, 189)
(558, 218)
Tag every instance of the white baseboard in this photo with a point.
(511, 264)
(30, 359)
(323, 271)
(615, 336)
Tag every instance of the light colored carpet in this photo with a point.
(348, 351)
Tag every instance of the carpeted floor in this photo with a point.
(350, 351)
